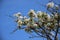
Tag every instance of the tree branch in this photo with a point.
(57, 28)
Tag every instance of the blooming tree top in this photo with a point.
(40, 22)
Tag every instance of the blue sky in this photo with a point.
(7, 24)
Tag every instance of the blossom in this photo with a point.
(17, 14)
(56, 15)
(26, 21)
(52, 26)
(50, 5)
(19, 22)
(32, 13)
(48, 24)
(20, 17)
(39, 14)
(35, 25)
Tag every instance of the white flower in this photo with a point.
(21, 17)
(48, 24)
(56, 15)
(17, 14)
(35, 25)
(32, 13)
(50, 5)
(19, 22)
(39, 14)
(26, 21)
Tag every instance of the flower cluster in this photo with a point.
(37, 21)
(31, 23)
